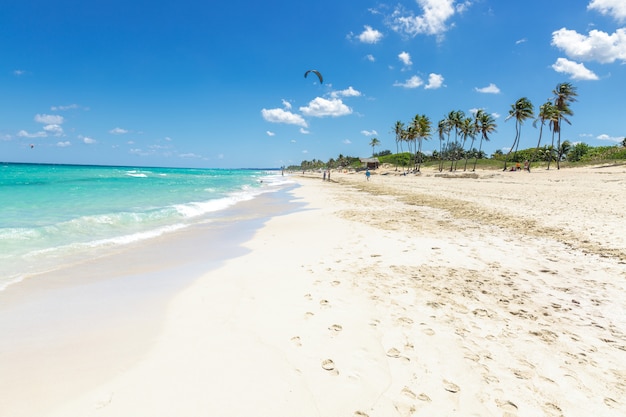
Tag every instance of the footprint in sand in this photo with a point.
(308, 314)
(507, 406)
(296, 341)
(552, 410)
(308, 296)
(336, 328)
(428, 332)
(324, 303)
(360, 414)
(329, 365)
(407, 392)
(407, 321)
(451, 386)
(424, 397)
(393, 353)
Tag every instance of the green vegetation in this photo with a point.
(458, 135)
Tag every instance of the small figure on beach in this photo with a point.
(526, 165)
(518, 166)
(367, 174)
(329, 175)
(324, 179)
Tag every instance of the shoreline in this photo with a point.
(88, 321)
(409, 296)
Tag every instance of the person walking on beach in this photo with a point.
(526, 165)
(367, 174)
(324, 179)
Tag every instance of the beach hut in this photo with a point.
(371, 163)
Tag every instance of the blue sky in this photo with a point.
(221, 84)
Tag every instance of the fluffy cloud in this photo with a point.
(283, 116)
(321, 107)
(118, 131)
(25, 134)
(49, 119)
(432, 21)
(617, 139)
(615, 8)
(435, 81)
(370, 35)
(405, 57)
(88, 141)
(54, 129)
(575, 70)
(412, 82)
(490, 89)
(597, 46)
(348, 92)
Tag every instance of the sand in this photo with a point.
(491, 294)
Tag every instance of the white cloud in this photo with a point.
(286, 105)
(118, 131)
(520, 41)
(88, 141)
(19, 72)
(370, 58)
(304, 131)
(433, 20)
(412, 82)
(64, 144)
(615, 8)
(490, 89)
(610, 138)
(369, 133)
(321, 107)
(54, 129)
(347, 142)
(62, 108)
(348, 92)
(269, 133)
(597, 46)
(282, 116)
(49, 119)
(575, 70)
(405, 57)
(370, 35)
(435, 81)
(25, 134)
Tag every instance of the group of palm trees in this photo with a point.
(482, 124)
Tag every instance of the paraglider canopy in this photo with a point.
(316, 72)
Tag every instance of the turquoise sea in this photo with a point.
(52, 214)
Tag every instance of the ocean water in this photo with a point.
(51, 215)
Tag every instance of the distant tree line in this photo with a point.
(458, 134)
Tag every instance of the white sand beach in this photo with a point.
(491, 294)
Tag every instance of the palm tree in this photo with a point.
(468, 129)
(422, 128)
(486, 125)
(547, 112)
(454, 119)
(398, 129)
(443, 129)
(563, 150)
(564, 94)
(522, 109)
(374, 142)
